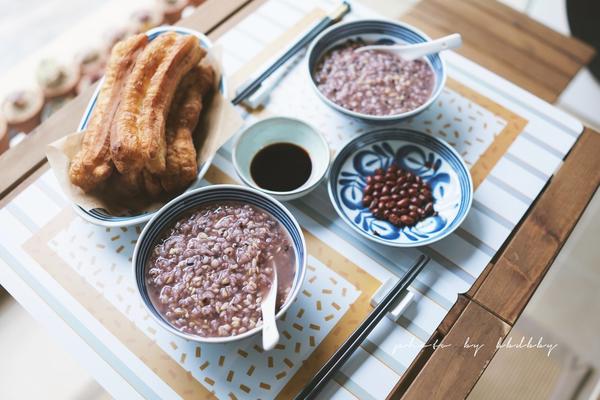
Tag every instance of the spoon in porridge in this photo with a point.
(410, 52)
(270, 333)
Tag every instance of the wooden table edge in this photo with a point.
(504, 307)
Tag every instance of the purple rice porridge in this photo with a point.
(373, 82)
(208, 273)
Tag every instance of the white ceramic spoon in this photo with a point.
(270, 334)
(413, 51)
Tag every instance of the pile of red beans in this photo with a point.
(398, 196)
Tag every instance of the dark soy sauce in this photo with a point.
(281, 167)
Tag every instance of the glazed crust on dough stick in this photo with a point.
(92, 165)
(184, 55)
(139, 138)
(182, 167)
(125, 145)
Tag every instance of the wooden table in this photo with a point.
(515, 47)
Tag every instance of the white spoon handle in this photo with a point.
(434, 46)
(414, 51)
(270, 333)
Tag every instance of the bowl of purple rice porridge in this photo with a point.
(373, 86)
(205, 261)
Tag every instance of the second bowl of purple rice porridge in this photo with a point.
(204, 263)
(373, 86)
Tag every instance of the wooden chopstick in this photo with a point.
(254, 83)
(321, 378)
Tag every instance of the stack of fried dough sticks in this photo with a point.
(139, 140)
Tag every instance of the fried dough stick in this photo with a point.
(139, 138)
(92, 165)
(182, 167)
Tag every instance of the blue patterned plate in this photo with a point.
(430, 158)
(100, 216)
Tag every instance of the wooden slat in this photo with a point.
(427, 351)
(499, 38)
(19, 162)
(578, 50)
(505, 37)
(451, 372)
(524, 262)
(486, 44)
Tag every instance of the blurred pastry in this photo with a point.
(56, 79)
(88, 80)
(187, 11)
(138, 140)
(196, 2)
(23, 109)
(114, 36)
(3, 135)
(92, 165)
(146, 19)
(91, 61)
(172, 9)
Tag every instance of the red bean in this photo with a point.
(396, 195)
(403, 203)
(406, 220)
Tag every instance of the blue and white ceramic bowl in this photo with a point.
(102, 217)
(374, 31)
(432, 159)
(168, 215)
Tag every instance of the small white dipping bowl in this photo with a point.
(281, 130)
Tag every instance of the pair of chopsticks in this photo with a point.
(351, 344)
(254, 83)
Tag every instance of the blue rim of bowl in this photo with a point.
(291, 194)
(449, 154)
(193, 199)
(99, 216)
(375, 26)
